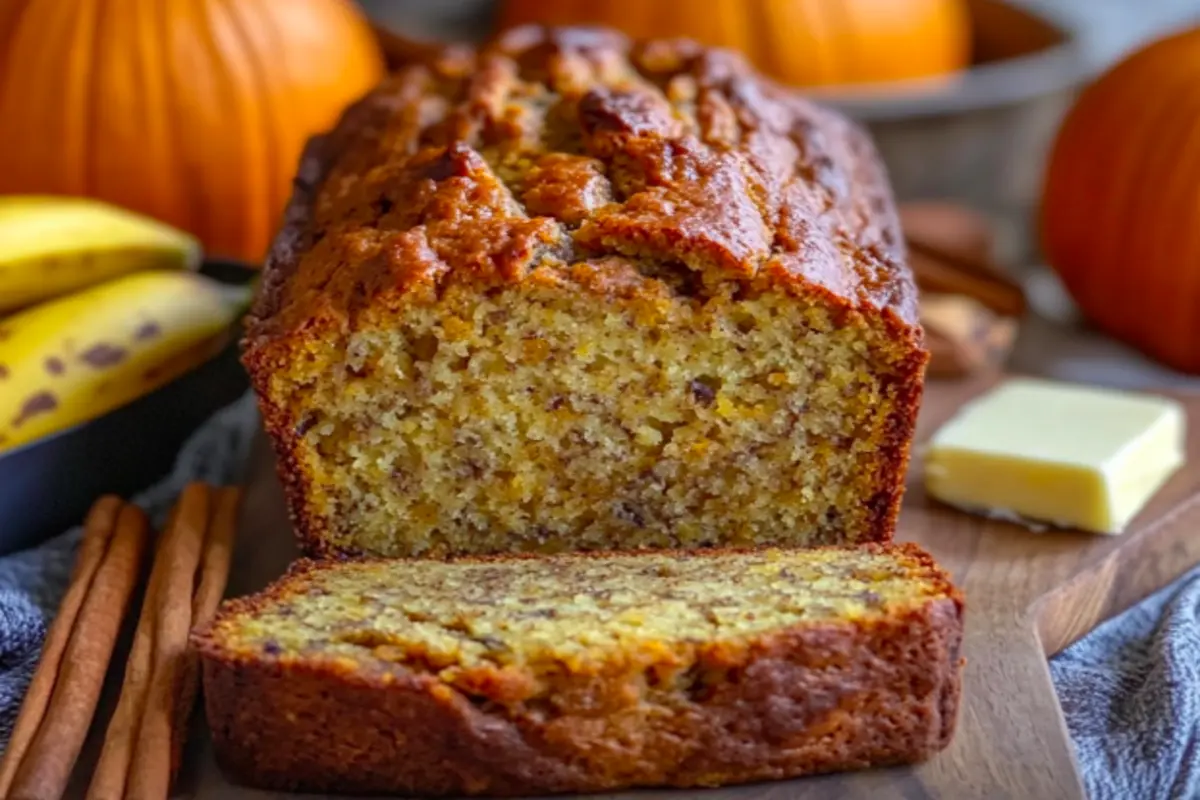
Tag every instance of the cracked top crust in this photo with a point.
(557, 148)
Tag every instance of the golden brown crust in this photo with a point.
(814, 698)
(896, 451)
(564, 145)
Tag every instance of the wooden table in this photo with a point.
(1028, 595)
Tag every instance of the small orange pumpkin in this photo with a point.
(191, 111)
(1120, 213)
(803, 42)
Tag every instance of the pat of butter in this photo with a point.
(1073, 456)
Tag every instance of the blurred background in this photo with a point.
(1106, 28)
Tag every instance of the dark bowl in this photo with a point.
(48, 485)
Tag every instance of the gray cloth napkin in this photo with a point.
(1130, 690)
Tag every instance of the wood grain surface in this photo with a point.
(1028, 595)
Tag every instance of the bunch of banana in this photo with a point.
(53, 245)
(118, 312)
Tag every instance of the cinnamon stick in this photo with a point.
(97, 532)
(951, 251)
(150, 765)
(112, 768)
(214, 576)
(945, 228)
(940, 273)
(144, 742)
(50, 758)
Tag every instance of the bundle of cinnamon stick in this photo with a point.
(145, 736)
(969, 306)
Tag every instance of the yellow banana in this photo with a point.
(50, 246)
(80, 356)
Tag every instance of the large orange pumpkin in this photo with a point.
(804, 42)
(192, 111)
(1120, 214)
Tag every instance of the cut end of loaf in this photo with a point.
(584, 672)
(567, 414)
(579, 612)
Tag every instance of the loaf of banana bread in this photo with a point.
(568, 292)
(584, 672)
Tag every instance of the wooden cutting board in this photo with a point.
(1028, 595)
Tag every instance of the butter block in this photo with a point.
(1068, 455)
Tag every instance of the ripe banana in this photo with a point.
(50, 246)
(80, 356)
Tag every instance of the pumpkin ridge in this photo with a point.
(136, 127)
(252, 80)
(1177, 237)
(97, 127)
(51, 113)
(11, 13)
(76, 102)
(267, 105)
(1077, 219)
(1087, 238)
(843, 59)
(758, 27)
(227, 107)
(1137, 194)
(23, 155)
(1144, 194)
(286, 163)
(89, 89)
(1172, 235)
(1066, 175)
(191, 170)
(171, 187)
(1119, 198)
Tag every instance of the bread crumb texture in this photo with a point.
(569, 612)
(584, 672)
(567, 292)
